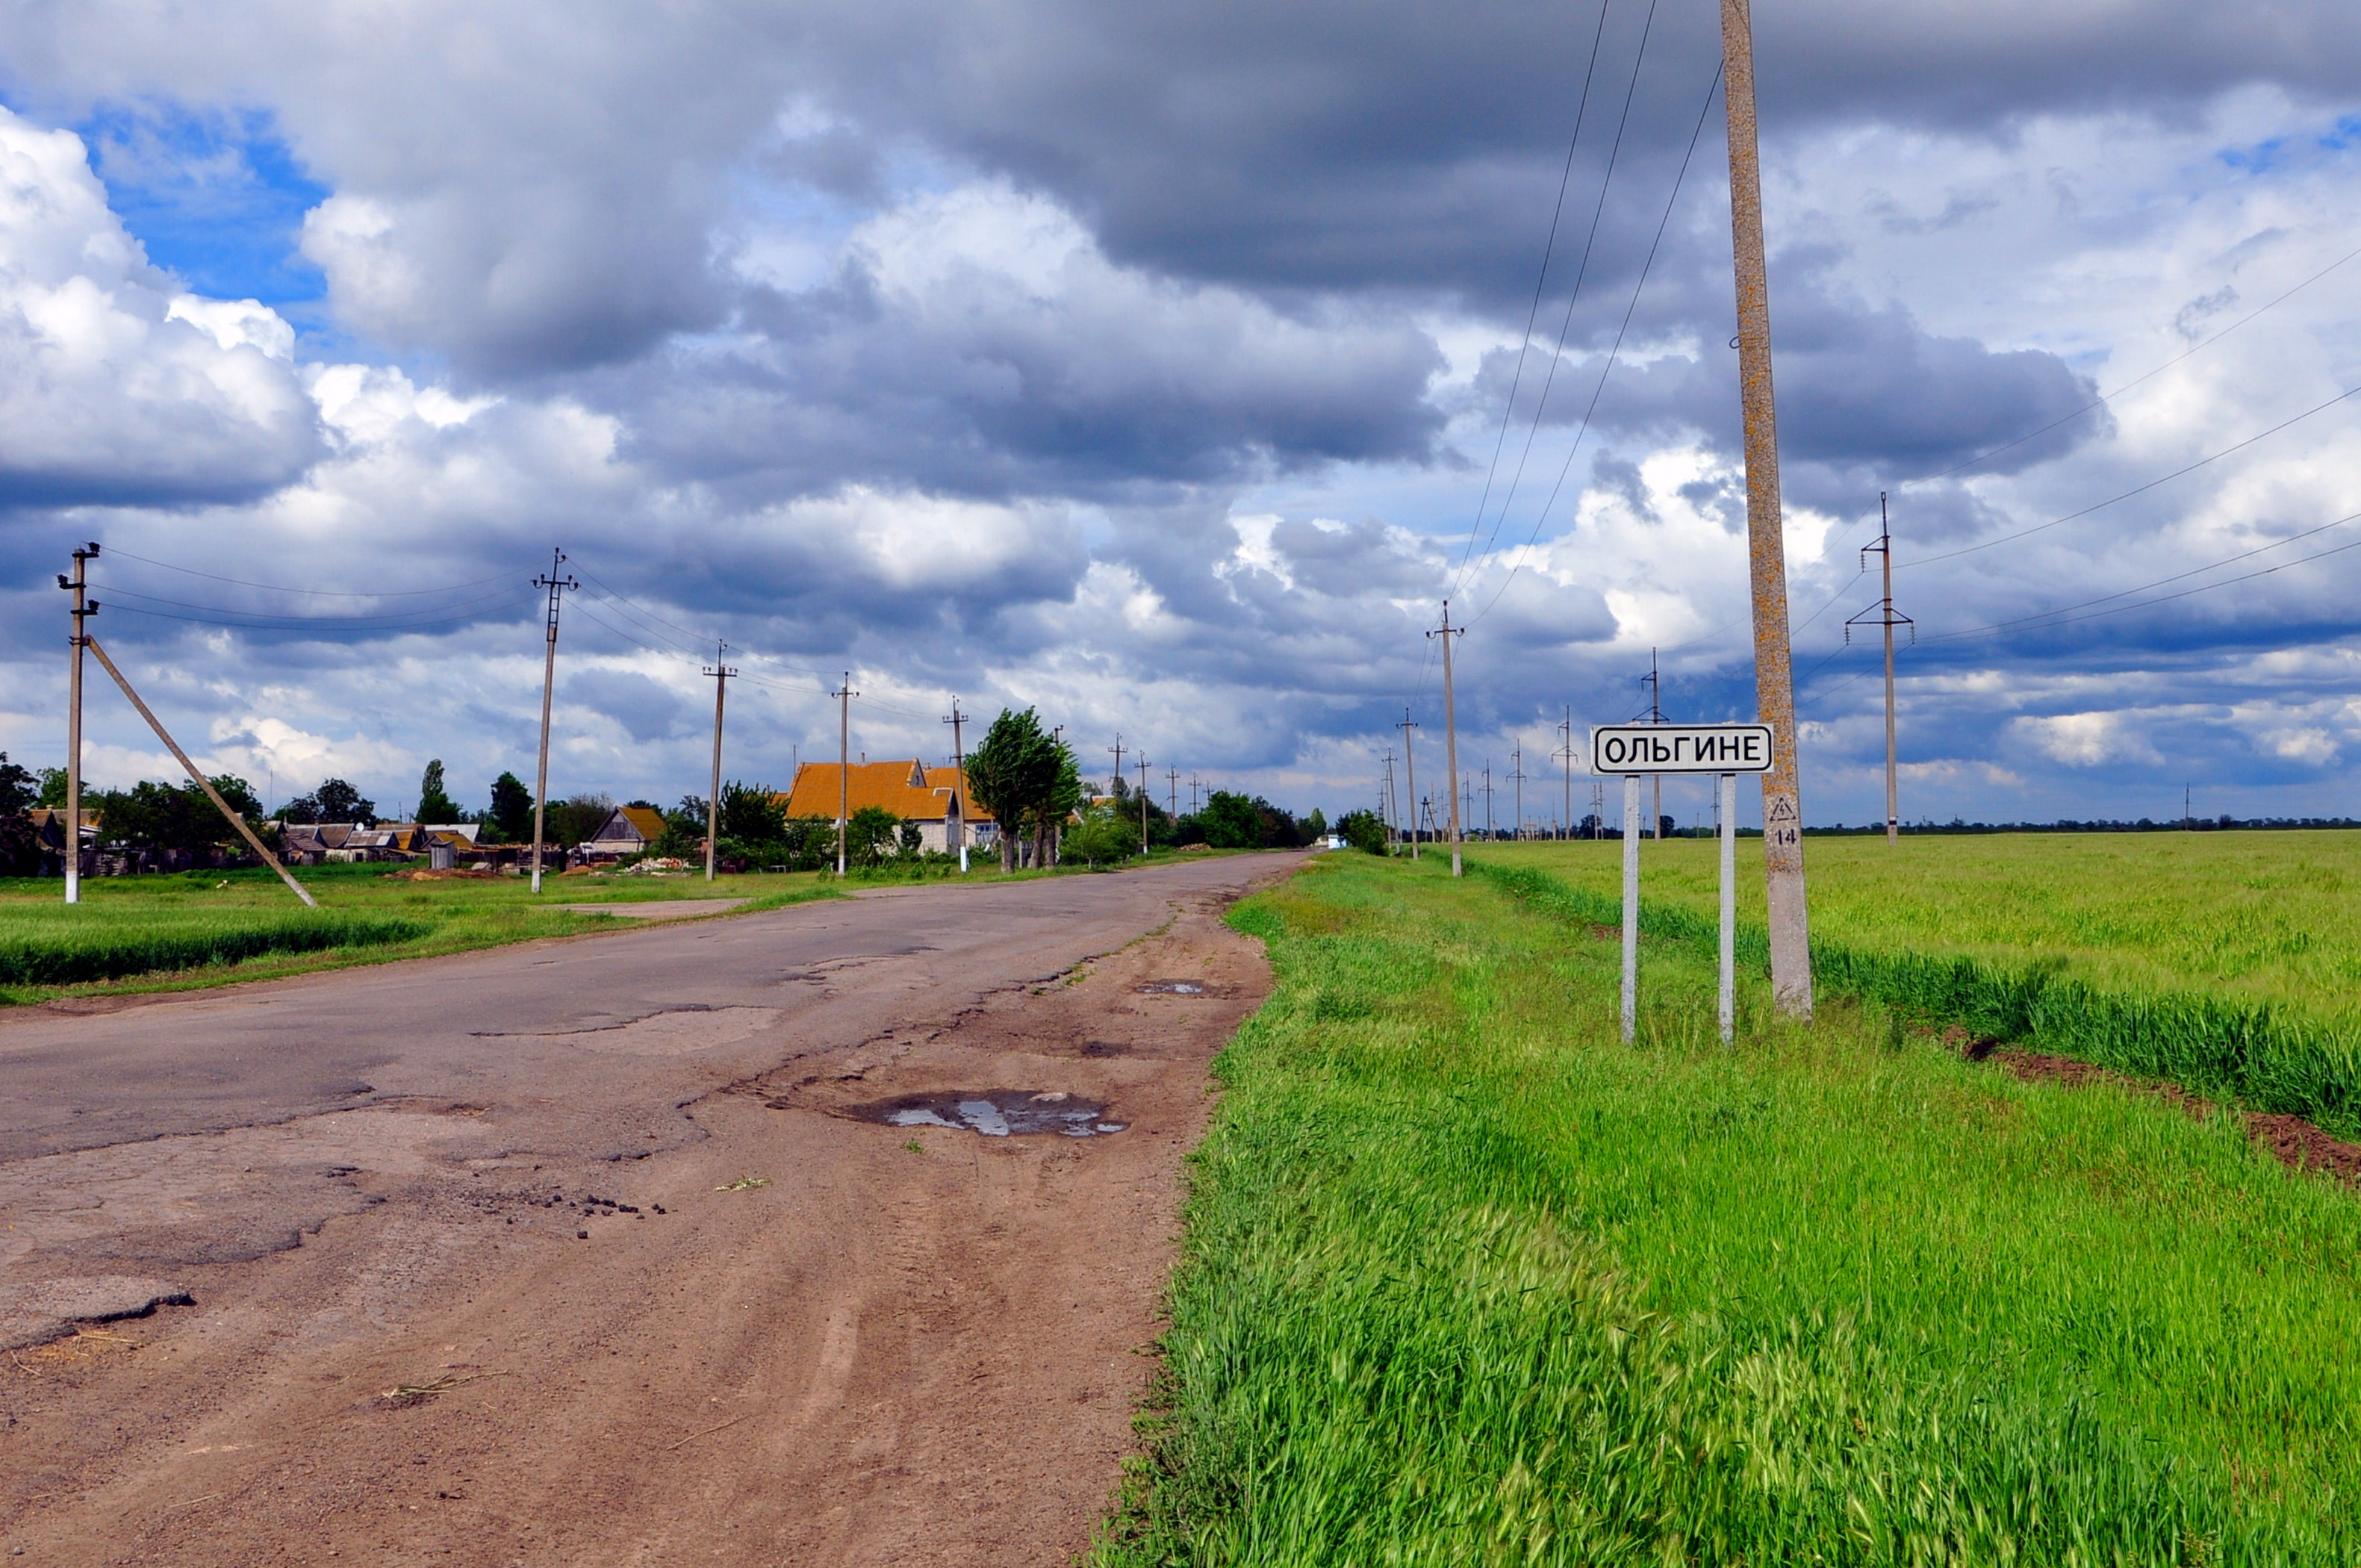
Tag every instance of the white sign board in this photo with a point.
(1680, 749)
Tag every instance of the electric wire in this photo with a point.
(474, 619)
(113, 550)
(114, 590)
(1549, 246)
(1583, 430)
(1566, 326)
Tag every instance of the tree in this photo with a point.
(53, 788)
(334, 801)
(869, 835)
(751, 813)
(1231, 821)
(1016, 772)
(1104, 836)
(434, 804)
(1363, 831)
(17, 786)
(510, 817)
(1315, 826)
(577, 818)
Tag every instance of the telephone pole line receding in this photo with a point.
(1449, 731)
(1410, 780)
(558, 587)
(1517, 773)
(79, 585)
(1774, 674)
(1143, 765)
(1885, 616)
(844, 695)
(720, 673)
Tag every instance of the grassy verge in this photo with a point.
(1468, 1280)
(2291, 1045)
(188, 932)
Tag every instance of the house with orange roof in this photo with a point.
(934, 798)
(628, 830)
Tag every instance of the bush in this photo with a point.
(1364, 831)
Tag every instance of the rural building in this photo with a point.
(934, 798)
(628, 830)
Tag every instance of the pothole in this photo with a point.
(994, 1113)
(1173, 987)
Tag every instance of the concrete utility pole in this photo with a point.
(720, 673)
(1565, 733)
(1449, 731)
(1172, 791)
(1517, 773)
(1117, 750)
(1655, 715)
(1489, 834)
(955, 719)
(557, 588)
(1143, 802)
(1774, 674)
(1391, 808)
(78, 584)
(1410, 777)
(844, 695)
(1194, 783)
(201, 781)
(1884, 617)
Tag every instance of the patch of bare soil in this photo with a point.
(2294, 1142)
(807, 1336)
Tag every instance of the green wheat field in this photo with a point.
(1468, 1280)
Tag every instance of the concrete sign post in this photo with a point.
(1633, 750)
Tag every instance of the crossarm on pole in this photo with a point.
(202, 783)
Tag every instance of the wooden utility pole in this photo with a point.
(1884, 617)
(557, 588)
(202, 783)
(79, 585)
(1449, 731)
(1775, 676)
(721, 672)
(1410, 780)
(844, 695)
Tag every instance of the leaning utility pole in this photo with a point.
(1775, 676)
(720, 673)
(1886, 617)
(78, 584)
(1450, 729)
(1410, 780)
(844, 695)
(557, 588)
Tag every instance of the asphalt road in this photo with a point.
(363, 1172)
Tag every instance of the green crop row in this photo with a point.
(119, 949)
(2268, 1057)
(1467, 1281)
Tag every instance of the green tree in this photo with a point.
(1104, 836)
(1231, 821)
(1363, 831)
(575, 819)
(751, 813)
(510, 817)
(1017, 772)
(434, 802)
(18, 787)
(53, 788)
(1315, 826)
(334, 801)
(869, 836)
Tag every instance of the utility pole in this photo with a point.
(1886, 617)
(1117, 750)
(1172, 791)
(1143, 802)
(2186, 820)
(1193, 784)
(1489, 834)
(844, 695)
(78, 584)
(956, 719)
(1655, 715)
(1517, 772)
(720, 673)
(557, 588)
(1388, 807)
(1565, 732)
(1410, 775)
(1449, 731)
(1774, 674)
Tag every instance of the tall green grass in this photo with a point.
(2285, 1046)
(109, 949)
(1468, 1280)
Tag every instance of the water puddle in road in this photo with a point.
(995, 1112)
(1173, 987)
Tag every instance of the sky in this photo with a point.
(1166, 368)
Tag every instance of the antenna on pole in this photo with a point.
(1885, 616)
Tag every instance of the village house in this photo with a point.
(934, 798)
(628, 830)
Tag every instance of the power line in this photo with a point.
(1566, 326)
(1507, 412)
(113, 551)
(361, 621)
(299, 624)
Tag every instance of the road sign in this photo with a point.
(1680, 749)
